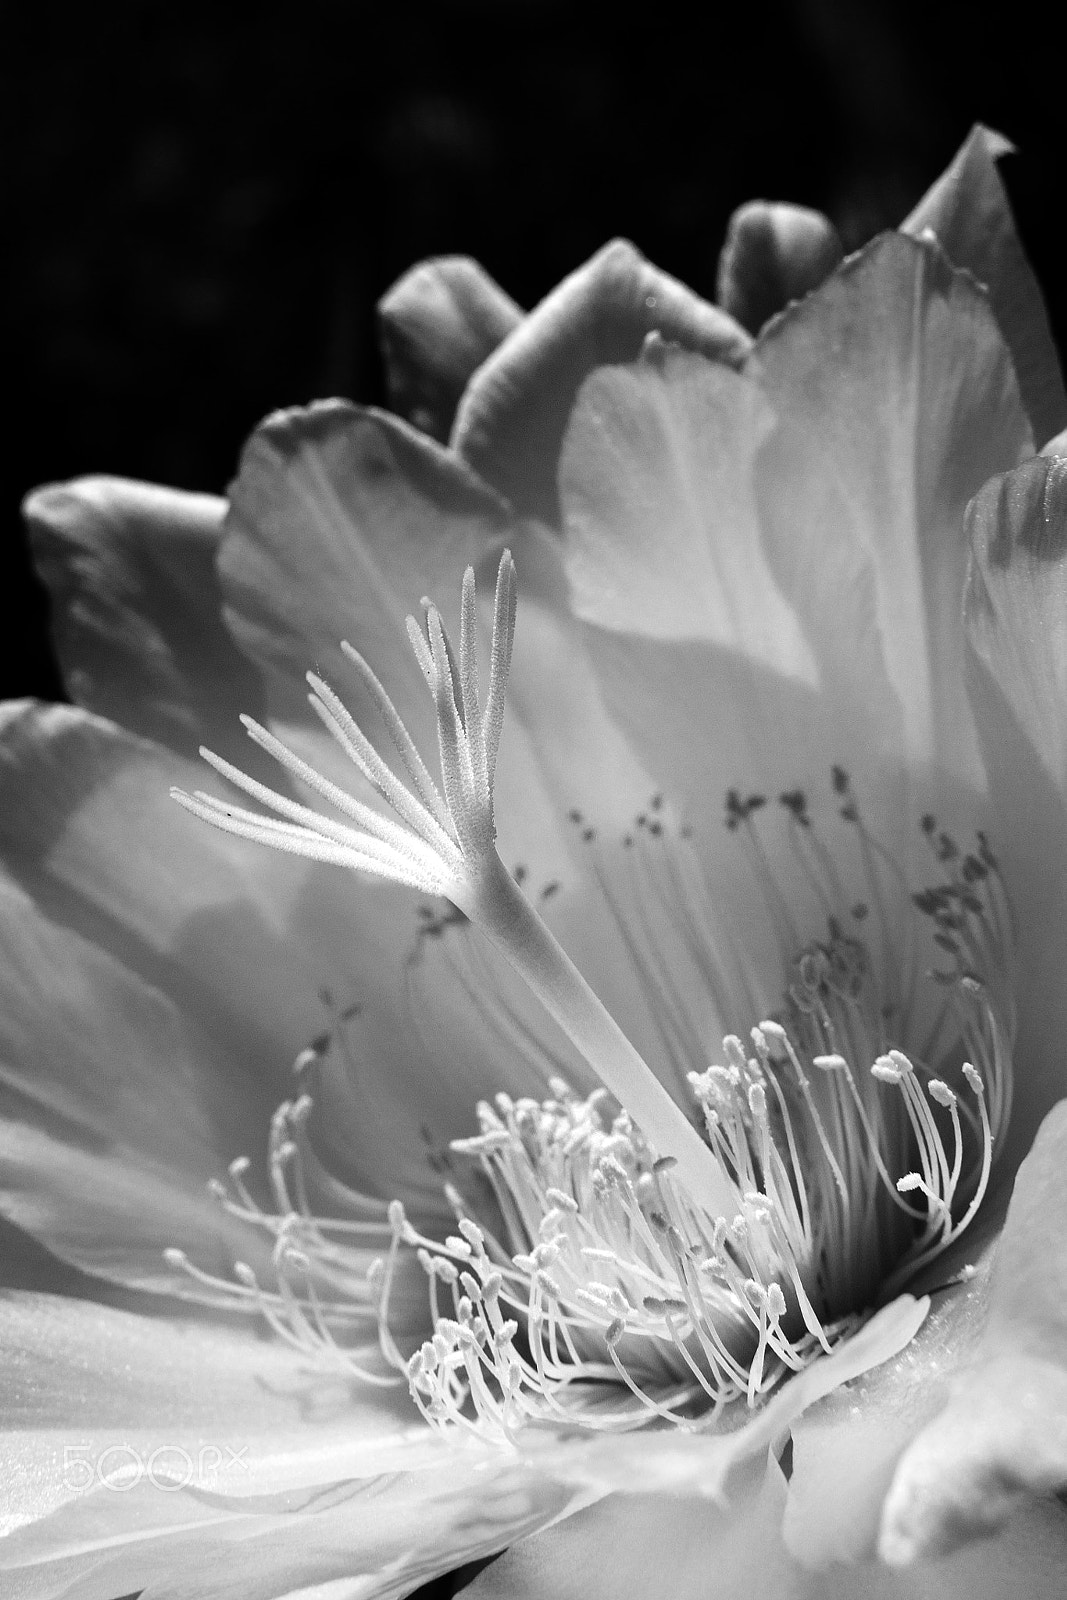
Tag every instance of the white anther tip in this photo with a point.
(885, 1070)
(175, 1257)
(973, 1078)
(831, 1063)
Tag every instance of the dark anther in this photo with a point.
(549, 890)
(574, 815)
(588, 834)
(929, 822)
(795, 802)
(840, 780)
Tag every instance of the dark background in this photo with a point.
(209, 199)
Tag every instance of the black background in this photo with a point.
(208, 199)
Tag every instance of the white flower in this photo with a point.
(760, 769)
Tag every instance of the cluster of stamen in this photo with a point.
(615, 1260)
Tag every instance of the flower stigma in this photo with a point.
(621, 1258)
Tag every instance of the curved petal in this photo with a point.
(969, 211)
(512, 418)
(159, 980)
(215, 1466)
(1016, 603)
(340, 520)
(845, 1449)
(897, 373)
(774, 252)
(437, 324)
(656, 1546)
(94, 1396)
(136, 606)
(681, 1550)
(1002, 1437)
(1016, 623)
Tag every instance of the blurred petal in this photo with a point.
(661, 530)
(1017, 599)
(93, 1396)
(684, 1550)
(438, 323)
(845, 1449)
(512, 418)
(1003, 1435)
(156, 994)
(774, 252)
(664, 538)
(136, 607)
(655, 1546)
(376, 1535)
(969, 211)
(896, 370)
(1016, 622)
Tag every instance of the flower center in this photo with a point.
(586, 1283)
(618, 1258)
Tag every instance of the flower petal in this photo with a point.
(94, 1396)
(683, 1550)
(896, 370)
(774, 252)
(969, 211)
(340, 520)
(1016, 603)
(136, 607)
(212, 1465)
(438, 323)
(1016, 622)
(845, 1449)
(655, 1546)
(1003, 1435)
(513, 415)
(153, 999)
(664, 539)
